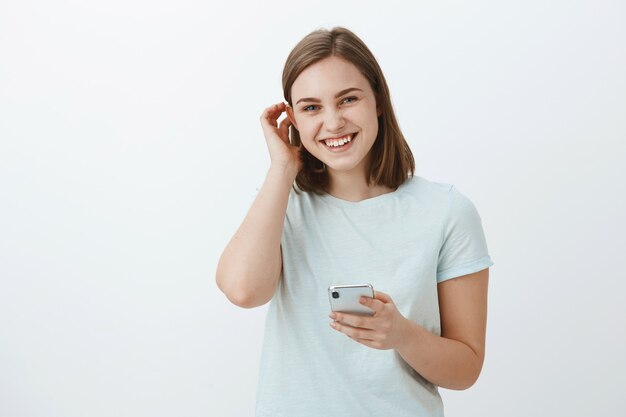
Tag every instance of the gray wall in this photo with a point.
(130, 152)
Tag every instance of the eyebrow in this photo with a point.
(339, 94)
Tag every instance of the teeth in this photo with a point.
(338, 142)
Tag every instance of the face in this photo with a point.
(334, 110)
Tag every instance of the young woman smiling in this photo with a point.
(341, 205)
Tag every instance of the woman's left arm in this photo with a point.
(454, 359)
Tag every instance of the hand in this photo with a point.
(384, 330)
(282, 153)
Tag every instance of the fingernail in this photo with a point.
(332, 315)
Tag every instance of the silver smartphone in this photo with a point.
(345, 298)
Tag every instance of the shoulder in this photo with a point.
(436, 193)
(446, 191)
(443, 198)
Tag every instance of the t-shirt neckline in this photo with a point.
(363, 203)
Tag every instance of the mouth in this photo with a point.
(340, 143)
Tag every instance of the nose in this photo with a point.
(334, 121)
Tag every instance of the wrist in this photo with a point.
(285, 172)
(410, 331)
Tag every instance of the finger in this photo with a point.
(373, 303)
(353, 332)
(276, 110)
(382, 297)
(355, 320)
(271, 114)
(266, 121)
(369, 343)
(284, 126)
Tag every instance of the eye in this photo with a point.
(352, 99)
(308, 108)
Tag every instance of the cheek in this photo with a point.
(306, 135)
(364, 116)
(308, 129)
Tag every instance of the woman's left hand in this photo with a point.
(386, 329)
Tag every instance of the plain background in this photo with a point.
(131, 150)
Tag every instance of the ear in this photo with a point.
(291, 116)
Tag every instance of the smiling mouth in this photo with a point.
(339, 142)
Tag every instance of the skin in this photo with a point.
(454, 359)
(323, 109)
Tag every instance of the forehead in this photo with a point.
(327, 77)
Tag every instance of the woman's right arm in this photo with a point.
(249, 269)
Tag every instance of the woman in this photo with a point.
(358, 215)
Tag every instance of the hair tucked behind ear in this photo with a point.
(391, 160)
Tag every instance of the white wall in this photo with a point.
(130, 151)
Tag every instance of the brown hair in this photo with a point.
(391, 159)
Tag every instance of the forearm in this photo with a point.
(444, 362)
(248, 269)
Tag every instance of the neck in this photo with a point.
(352, 186)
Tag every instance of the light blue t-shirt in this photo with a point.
(403, 243)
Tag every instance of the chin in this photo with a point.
(343, 167)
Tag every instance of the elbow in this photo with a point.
(468, 381)
(460, 385)
(465, 384)
(240, 298)
(225, 284)
(474, 369)
(243, 300)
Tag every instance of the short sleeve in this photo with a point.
(464, 248)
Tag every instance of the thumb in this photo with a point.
(283, 128)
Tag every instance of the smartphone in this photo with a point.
(345, 298)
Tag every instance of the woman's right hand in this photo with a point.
(282, 153)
